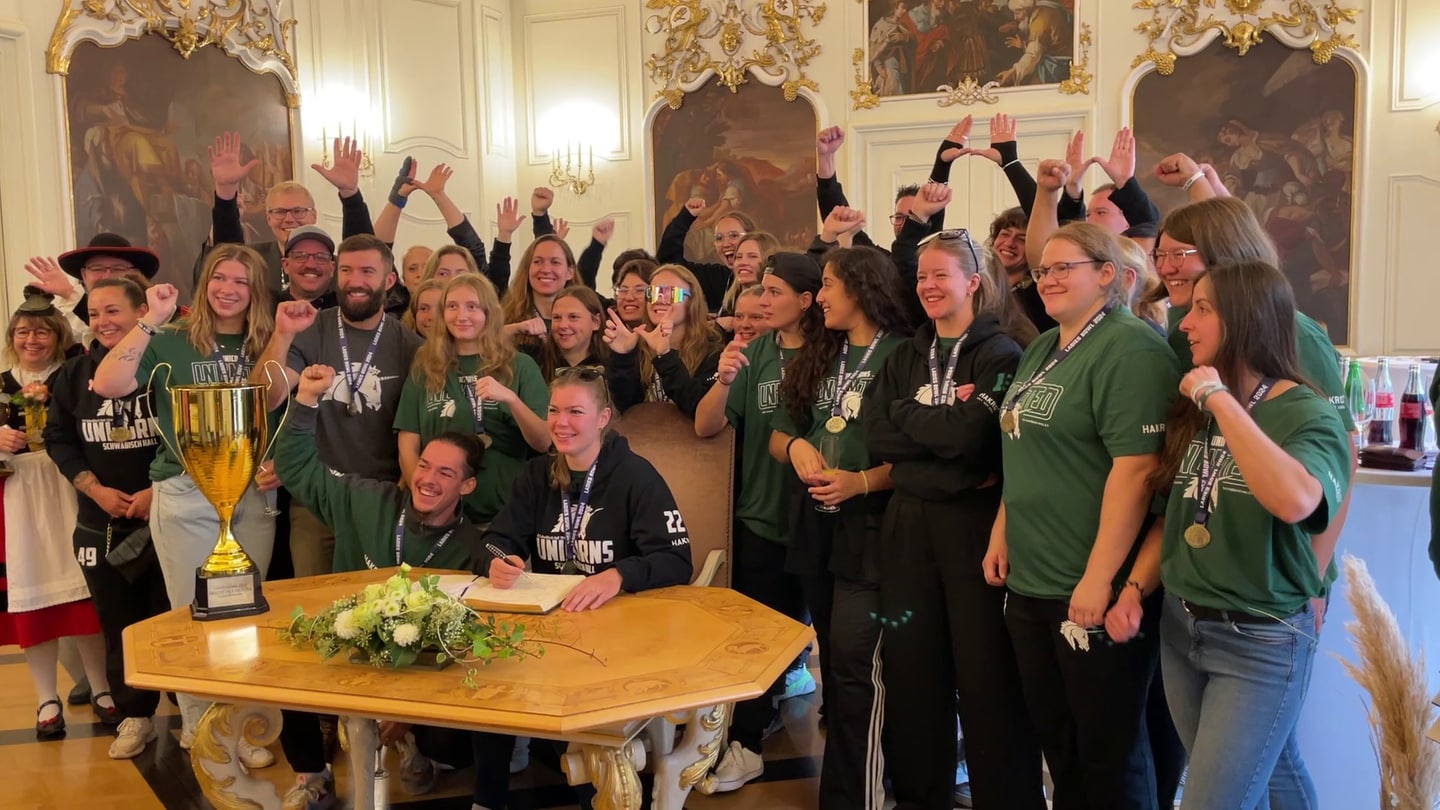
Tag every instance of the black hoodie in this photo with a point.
(115, 439)
(942, 453)
(631, 523)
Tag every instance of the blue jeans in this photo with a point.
(1235, 692)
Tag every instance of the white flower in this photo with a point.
(390, 607)
(406, 634)
(345, 626)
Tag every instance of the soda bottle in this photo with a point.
(1356, 400)
(1382, 426)
(1412, 412)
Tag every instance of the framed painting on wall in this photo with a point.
(918, 47)
(1280, 130)
(749, 150)
(139, 119)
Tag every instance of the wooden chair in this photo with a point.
(700, 473)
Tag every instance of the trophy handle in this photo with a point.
(150, 406)
(289, 402)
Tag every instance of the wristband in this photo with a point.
(152, 331)
(792, 441)
(401, 178)
(1005, 166)
(1201, 389)
(1212, 392)
(866, 479)
(1194, 178)
(1130, 583)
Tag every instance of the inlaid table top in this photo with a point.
(640, 656)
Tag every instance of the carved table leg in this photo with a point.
(613, 770)
(364, 738)
(690, 763)
(216, 760)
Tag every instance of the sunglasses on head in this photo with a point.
(583, 373)
(952, 235)
(668, 294)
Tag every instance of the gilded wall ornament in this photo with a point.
(252, 31)
(968, 92)
(712, 36)
(1080, 76)
(1181, 27)
(863, 95)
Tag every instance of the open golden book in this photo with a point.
(534, 593)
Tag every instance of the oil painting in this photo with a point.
(750, 150)
(915, 46)
(1280, 130)
(139, 120)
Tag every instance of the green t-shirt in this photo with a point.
(854, 455)
(1319, 362)
(189, 367)
(432, 413)
(1108, 398)
(763, 481)
(1255, 562)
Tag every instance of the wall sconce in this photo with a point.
(577, 172)
(367, 166)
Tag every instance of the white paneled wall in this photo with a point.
(479, 83)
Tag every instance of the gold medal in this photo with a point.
(1007, 421)
(1197, 536)
(835, 424)
(120, 433)
(485, 440)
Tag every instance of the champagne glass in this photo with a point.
(829, 448)
(1362, 410)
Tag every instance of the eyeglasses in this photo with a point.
(668, 294)
(897, 219)
(1059, 270)
(301, 256)
(721, 237)
(107, 268)
(626, 292)
(582, 373)
(26, 334)
(281, 213)
(1175, 256)
(952, 235)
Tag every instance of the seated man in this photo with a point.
(377, 524)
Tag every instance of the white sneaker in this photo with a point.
(798, 682)
(254, 757)
(314, 792)
(133, 735)
(187, 738)
(738, 766)
(520, 757)
(417, 771)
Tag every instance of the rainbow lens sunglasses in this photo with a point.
(667, 294)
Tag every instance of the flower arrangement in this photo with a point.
(31, 395)
(393, 624)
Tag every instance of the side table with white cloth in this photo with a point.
(40, 509)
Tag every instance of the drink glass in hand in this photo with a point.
(829, 448)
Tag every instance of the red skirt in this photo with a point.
(46, 624)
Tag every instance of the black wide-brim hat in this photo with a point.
(111, 244)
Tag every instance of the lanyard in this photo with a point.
(230, 372)
(942, 389)
(476, 404)
(842, 382)
(1210, 469)
(1039, 376)
(354, 382)
(780, 356)
(400, 538)
(570, 521)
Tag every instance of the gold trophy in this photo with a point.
(221, 433)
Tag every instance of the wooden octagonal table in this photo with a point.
(642, 663)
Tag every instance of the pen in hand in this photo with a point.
(505, 558)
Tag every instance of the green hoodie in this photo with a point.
(364, 512)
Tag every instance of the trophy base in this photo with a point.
(227, 596)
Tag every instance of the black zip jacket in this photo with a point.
(631, 523)
(942, 453)
(1130, 198)
(78, 434)
(714, 278)
(680, 386)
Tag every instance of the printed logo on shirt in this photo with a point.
(768, 395)
(1153, 428)
(208, 372)
(1002, 382)
(440, 401)
(371, 391)
(1230, 478)
(589, 554)
(854, 395)
(121, 419)
(924, 394)
(1038, 405)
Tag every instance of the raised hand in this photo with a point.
(1175, 169)
(618, 336)
(1002, 130)
(657, 338)
(314, 382)
(695, 205)
(294, 317)
(1121, 163)
(225, 165)
(960, 133)
(840, 221)
(931, 200)
(829, 140)
(541, 199)
(1075, 159)
(344, 170)
(603, 230)
(508, 217)
(562, 227)
(434, 185)
(405, 182)
(1052, 174)
(731, 361)
(162, 300)
(49, 277)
